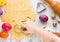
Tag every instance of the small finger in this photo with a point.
(23, 25)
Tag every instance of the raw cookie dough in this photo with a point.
(17, 11)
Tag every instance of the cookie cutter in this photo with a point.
(40, 7)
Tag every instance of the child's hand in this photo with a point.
(29, 25)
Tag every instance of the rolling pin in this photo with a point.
(57, 33)
(55, 5)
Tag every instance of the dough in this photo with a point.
(17, 11)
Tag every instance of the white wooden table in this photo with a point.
(35, 38)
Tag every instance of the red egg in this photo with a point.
(6, 26)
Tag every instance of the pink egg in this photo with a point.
(6, 26)
(1, 12)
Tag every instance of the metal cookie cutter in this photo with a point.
(40, 7)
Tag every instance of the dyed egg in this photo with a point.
(1, 12)
(43, 18)
(6, 26)
(4, 34)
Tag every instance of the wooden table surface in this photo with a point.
(35, 38)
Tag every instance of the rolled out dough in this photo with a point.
(17, 11)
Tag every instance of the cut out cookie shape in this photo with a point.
(17, 11)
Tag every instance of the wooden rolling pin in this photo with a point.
(57, 33)
(55, 5)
